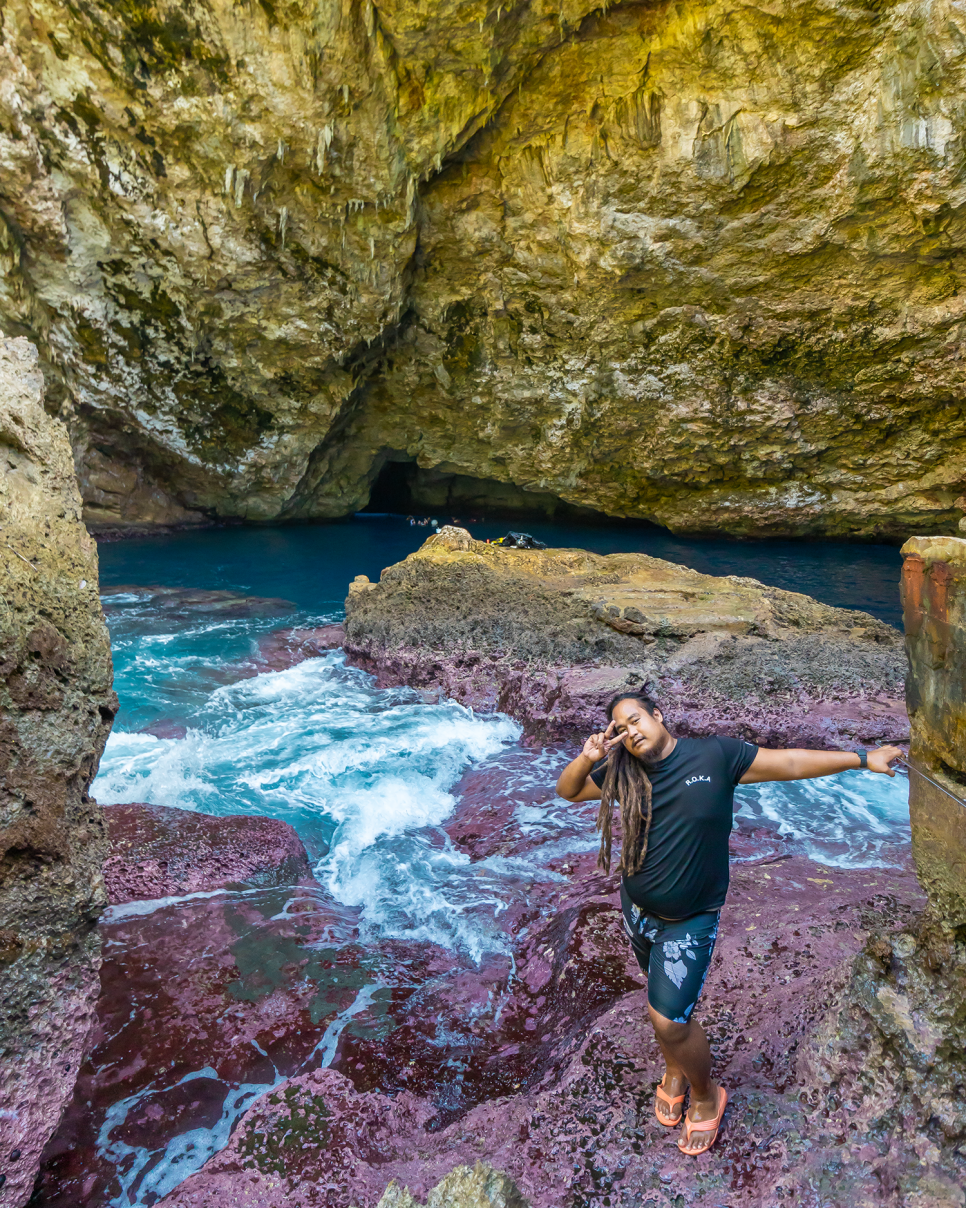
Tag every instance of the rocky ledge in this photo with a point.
(327, 1061)
(158, 852)
(549, 635)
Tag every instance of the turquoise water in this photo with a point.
(368, 776)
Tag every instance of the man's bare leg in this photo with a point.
(687, 1055)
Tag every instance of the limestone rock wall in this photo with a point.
(56, 708)
(896, 1043)
(698, 263)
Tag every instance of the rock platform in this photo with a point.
(366, 1067)
(557, 1091)
(549, 636)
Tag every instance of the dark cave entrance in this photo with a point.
(405, 488)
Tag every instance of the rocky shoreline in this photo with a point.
(556, 1087)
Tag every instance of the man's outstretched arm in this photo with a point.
(806, 765)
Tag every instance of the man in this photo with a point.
(676, 800)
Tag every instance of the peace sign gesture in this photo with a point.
(598, 745)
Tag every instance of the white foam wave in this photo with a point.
(374, 770)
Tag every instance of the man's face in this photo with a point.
(643, 733)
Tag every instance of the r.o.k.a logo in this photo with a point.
(695, 779)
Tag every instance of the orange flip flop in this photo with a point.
(711, 1126)
(662, 1094)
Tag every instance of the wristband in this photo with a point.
(863, 758)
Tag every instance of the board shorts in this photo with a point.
(674, 955)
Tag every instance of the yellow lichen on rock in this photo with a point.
(478, 1186)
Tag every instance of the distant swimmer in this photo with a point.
(676, 802)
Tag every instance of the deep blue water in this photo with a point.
(312, 565)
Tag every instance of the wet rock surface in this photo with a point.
(403, 1063)
(577, 1127)
(157, 852)
(550, 636)
(285, 647)
(187, 603)
(56, 708)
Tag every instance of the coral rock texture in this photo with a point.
(697, 263)
(160, 852)
(549, 635)
(56, 708)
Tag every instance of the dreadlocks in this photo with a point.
(627, 783)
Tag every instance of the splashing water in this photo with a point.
(853, 820)
(366, 775)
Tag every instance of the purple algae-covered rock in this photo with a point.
(284, 648)
(575, 1124)
(546, 1070)
(159, 852)
(204, 1004)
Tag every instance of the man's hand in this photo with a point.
(597, 746)
(575, 783)
(879, 759)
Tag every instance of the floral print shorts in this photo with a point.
(674, 955)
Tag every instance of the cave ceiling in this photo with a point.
(697, 263)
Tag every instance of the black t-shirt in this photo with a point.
(686, 868)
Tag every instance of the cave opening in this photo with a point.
(405, 488)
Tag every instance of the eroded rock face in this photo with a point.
(897, 1043)
(550, 635)
(209, 215)
(934, 607)
(56, 708)
(697, 264)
